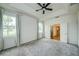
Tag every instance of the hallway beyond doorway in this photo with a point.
(55, 32)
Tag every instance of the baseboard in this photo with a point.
(73, 44)
(27, 43)
(8, 48)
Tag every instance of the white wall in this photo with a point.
(72, 28)
(28, 30)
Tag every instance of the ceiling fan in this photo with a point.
(44, 7)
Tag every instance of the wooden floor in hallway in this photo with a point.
(42, 47)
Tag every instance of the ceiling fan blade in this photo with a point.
(47, 4)
(40, 4)
(43, 11)
(39, 9)
(49, 9)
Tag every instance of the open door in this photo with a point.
(59, 32)
(55, 32)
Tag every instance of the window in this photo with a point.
(9, 25)
(40, 27)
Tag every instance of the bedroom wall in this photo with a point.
(71, 28)
(28, 28)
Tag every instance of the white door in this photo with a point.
(9, 30)
(63, 32)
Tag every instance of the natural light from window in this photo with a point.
(40, 27)
(9, 26)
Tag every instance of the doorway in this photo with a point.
(55, 32)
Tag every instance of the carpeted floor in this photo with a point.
(43, 47)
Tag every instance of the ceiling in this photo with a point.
(54, 6)
(29, 8)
